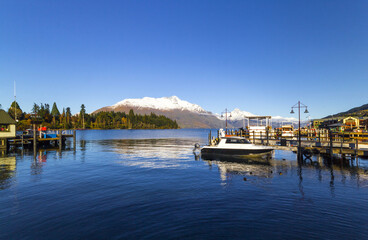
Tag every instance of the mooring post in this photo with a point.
(342, 143)
(331, 143)
(34, 139)
(261, 137)
(60, 139)
(254, 140)
(268, 137)
(74, 139)
(7, 147)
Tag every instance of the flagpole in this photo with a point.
(15, 102)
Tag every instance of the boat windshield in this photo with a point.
(237, 140)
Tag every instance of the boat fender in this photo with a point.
(307, 153)
(196, 146)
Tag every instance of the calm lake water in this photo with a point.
(148, 184)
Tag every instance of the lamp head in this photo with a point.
(292, 111)
(306, 110)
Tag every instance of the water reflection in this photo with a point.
(260, 167)
(269, 167)
(8, 167)
(152, 153)
(39, 161)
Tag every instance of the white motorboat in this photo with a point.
(235, 146)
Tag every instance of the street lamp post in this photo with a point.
(226, 112)
(299, 105)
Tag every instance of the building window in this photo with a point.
(4, 128)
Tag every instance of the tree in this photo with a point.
(55, 111)
(15, 111)
(68, 116)
(81, 114)
(35, 109)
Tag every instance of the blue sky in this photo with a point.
(259, 56)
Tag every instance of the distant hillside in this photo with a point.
(361, 111)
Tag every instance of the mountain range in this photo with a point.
(188, 115)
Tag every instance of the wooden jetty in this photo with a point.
(326, 142)
(39, 139)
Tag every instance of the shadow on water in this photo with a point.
(268, 166)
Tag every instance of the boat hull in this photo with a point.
(235, 152)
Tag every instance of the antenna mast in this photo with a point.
(15, 102)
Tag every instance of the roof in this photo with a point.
(259, 117)
(5, 118)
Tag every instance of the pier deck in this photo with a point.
(325, 142)
(37, 141)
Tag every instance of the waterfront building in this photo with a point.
(7, 129)
(342, 123)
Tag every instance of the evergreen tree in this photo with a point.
(81, 115)
(55, 111)
(35, 109)
(14, 107)
(68, 117)
(14, 104)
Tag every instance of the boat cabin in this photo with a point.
(235, 140)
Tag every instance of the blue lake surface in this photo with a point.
(148, 184)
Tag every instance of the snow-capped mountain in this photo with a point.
(188, 115)
(164, 104)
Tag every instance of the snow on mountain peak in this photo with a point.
(236, 114)
(164, 103)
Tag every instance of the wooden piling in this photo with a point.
(331, 143)
(60, 139)
(34, 139)
(74, 139)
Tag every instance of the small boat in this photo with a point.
(235, 146)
